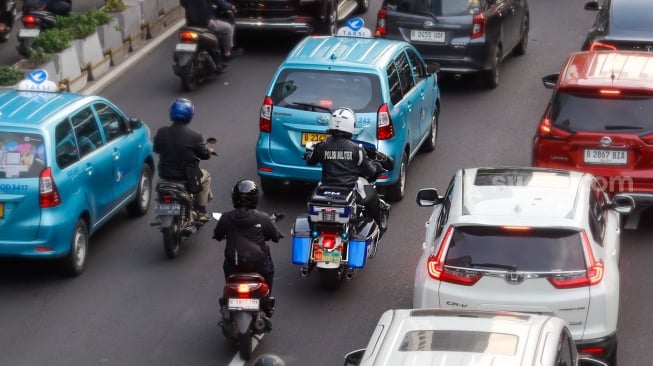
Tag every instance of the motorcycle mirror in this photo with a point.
(211, 140)
(310, 145)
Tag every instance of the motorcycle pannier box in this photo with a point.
(357, 253)
(301, 241)
(331, 204)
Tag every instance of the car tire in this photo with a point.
(74, 262)
(521, 47)
(431, 141)
(491, 77)
(396, 191)
(141, 203)
(363, 5)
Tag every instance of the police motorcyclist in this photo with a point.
(179, 147)
(200, 13)
(344, 161)
(247, 231)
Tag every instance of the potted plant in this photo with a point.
(10, 75)
(57, 42)
(129, 16)
(110, 34)
(86, 41)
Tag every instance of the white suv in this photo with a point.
(468, 338)
(530, 240)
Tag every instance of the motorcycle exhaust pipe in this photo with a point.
(304, 271)
(351, 272)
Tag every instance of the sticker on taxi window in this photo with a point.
(354, 27)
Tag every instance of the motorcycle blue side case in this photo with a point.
(367, 232)
(301, 240)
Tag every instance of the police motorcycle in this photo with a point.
(177, 212)
(336, 236)
(198, 53)
(246, 306)
(34, 21)
(7, 24)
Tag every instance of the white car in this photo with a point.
(468, 338)
(531, 240)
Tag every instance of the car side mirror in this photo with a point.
(428, 197)
(134, 123)
(592, 5)
(623, 204)
(354, 358)
(550, 81)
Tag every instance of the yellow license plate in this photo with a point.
(313, 137)
(2, 210)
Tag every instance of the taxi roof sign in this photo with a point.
(37, 81)
(354, 27)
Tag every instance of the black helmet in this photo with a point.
(268, 359)
(245, 194)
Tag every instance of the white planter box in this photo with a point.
(112, 41)
(69, 70)
(90, 56)
(171, 10)
(152, 17)
(130, 22)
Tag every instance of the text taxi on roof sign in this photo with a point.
(37, 81)
(354, 27)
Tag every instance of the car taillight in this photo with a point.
(437, 270)
(265, 120)
(592, 276)
(598, 46)
(189, 36)
(478, 26)
(29, 21)
(647, 138)
(384, 128)
(381, 16)
(48, 193)
(593, 350)
(547, 130)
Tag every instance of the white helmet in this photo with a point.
(343, 120)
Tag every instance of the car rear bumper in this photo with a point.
(298, 25)
(592, 346)
(478, 57)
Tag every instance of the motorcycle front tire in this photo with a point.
(172, 238)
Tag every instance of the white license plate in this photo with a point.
(243, 304)
(186, 47)
(608, 157)
(28, 32)
(167, 209)
(427, 36)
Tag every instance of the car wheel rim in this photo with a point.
(79, 251)
(145, 191)
(402, 177)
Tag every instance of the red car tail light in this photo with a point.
(437, 270)
(384, 130)
(265, 120)
(647, 138)
(479, 25)
(381, 29)
(598, 46)
(592, 276)
(48, 193)
(547, 130)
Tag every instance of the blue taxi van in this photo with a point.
(68, 163)
(387, 83)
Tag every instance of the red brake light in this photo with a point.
(265, 120)
(592, 276)
(648, 139)
(384, 128)
(48, 193)
(29, 21)
(328, 241)
(546, 129)
(166, 197)
(243, 288)
(381, 30)
(189, 36)
(596, 351)
(598, 46)
(437, 270)
(479, 25)
(610, 92)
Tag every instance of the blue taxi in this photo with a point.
(68, 163)
(393, 91)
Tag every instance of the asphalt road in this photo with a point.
(133, 306)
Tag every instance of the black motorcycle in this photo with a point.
(246, 307)
(337, 235)
(177, 213)
(198, 55)
(34, 21)
(7, 17)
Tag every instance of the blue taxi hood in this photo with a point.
(26, 107)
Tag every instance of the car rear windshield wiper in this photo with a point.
(507, 267)
(310, 106)
(622, 127)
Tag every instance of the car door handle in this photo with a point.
(409, 106)
(421, 94)
(89, 169)
(116, 154)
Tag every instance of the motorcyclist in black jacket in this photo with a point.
(344, 160)
(247, 232)
(201, 13)
(179, 147)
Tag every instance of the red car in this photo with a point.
(600, 120)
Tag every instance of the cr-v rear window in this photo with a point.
(437, 7)
(327, 90)
(593, 113)
(516, 249)
(22, 155)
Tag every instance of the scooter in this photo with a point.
(177, 213)
(34, 21)
(7, 17)
(336, 236)
(246, 307)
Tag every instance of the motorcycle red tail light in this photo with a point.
(189, 36)
(166, 198)
(328, 241)
(29, 21)
(246, 289)
(243, 288)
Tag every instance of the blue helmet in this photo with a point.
(181, 110)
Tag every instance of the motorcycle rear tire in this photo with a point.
(172, 239)
(189, 78)
(330, 279)
(245, 346)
